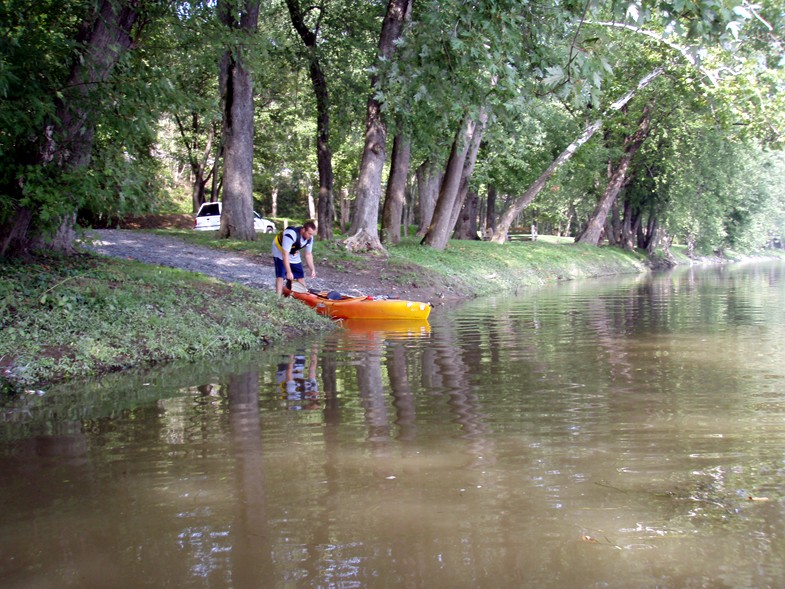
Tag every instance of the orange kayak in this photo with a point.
(364, 307)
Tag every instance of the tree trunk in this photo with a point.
(15, 233)
(238, 128)
(217, 183)
(197, 159)
(408, 210)
(490, 213)
(531, 193)
(466, 227)
(451, 181)
(508, 216)
(455, 185)
(324, 156)
(467, 172)
(570, 217)
(651, 227)
(364, 231)
(345, 209)
(274, 202)
(395, 199)
(591, 235)
(616, 223)
(630, 226)
(429, 178)
(651, 238)
(67, 140)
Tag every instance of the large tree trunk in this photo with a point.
(237, 101)
(395, 199)
(466, 174)
(508, 216)
(616, 223)
(651, 237)
(531, 193)
(324, 156)
(645, 237)
(429, 178)
(455, 185)
(466, 228)
(630, 226)
(591, 235)
(67, 141)
(489, 228)
(451, 182)
(364, 234)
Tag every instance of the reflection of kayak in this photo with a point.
(341, 306)
(393, 327)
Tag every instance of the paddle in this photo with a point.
(299, 287)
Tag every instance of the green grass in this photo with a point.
(482, 268)
(72, 317)
(64, 318)
(471, 268)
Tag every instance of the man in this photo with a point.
(286, 254)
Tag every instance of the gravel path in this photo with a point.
(250, 270)
(254, 270)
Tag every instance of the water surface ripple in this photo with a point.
(610, 433)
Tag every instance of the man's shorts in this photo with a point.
(280, 269)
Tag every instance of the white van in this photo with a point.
(209, 219)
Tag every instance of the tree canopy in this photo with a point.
(110, 107)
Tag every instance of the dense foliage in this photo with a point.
(707, 174)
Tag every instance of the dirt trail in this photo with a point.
(176, 253)
(252, 270)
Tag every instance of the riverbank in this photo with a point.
(85, 315)
(64, 318)
(466, 269)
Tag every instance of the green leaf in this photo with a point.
(553, 76)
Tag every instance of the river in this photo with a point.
(624, 432)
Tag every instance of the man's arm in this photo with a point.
(286, 265)
(309, 263)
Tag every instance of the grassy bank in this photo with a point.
(73, 317)
(480, 268)
(465, 268)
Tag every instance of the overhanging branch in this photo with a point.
(712, 76)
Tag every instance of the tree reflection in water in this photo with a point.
(251, 550)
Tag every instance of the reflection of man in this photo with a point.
(302, 392)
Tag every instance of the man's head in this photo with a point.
(308, 229)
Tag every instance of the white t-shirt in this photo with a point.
(290, 234)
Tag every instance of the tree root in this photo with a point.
(363, 241)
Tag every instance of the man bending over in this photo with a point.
(286, 254)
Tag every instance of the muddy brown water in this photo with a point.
(612, 433)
